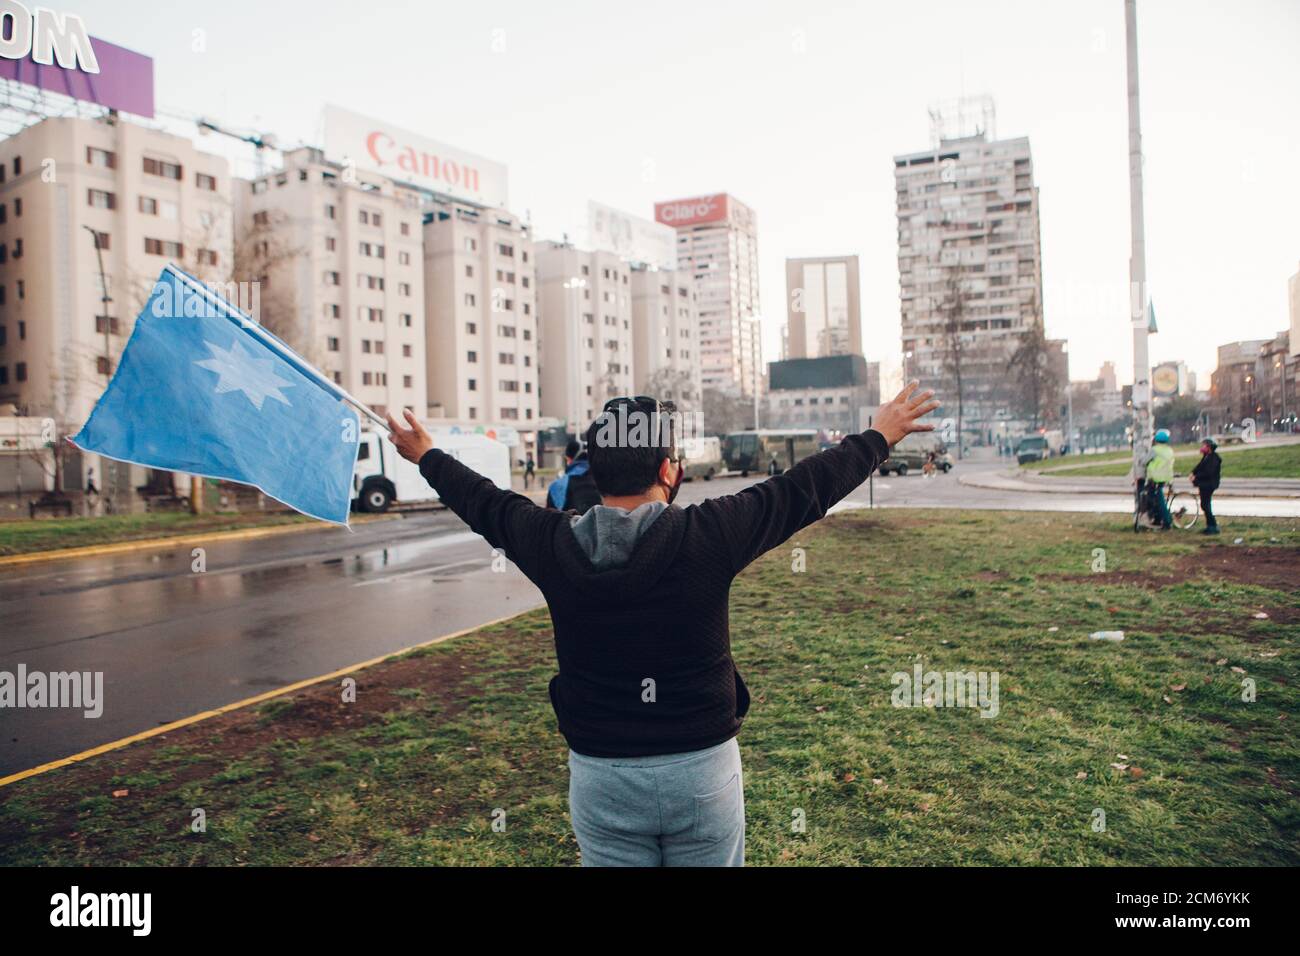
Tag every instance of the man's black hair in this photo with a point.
(572, 449)
(627, 468)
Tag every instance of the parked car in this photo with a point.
(911, 453)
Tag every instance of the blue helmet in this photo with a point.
(1163, 435)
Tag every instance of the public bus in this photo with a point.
(754, 451)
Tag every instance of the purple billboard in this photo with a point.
(52, 52)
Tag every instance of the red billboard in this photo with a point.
(692, 212)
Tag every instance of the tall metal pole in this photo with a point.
(1143, 423)
(108, 475)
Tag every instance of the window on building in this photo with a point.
(407, 382)
(164, 247)
(331, 278)
(332, 343)
(208, 257)
(160, 167)
(20, 370)
(100, 199)
(209, 183)
(472, 384)
(470, 299)
(471, 328)
(330, 211)
(471, 357)
(101, 158)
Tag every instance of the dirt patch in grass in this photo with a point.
(1277, 568)
(1274, 568)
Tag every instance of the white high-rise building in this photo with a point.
(970, 266)
(717, 243)
(338, 256)
(665, 337)
(481, 316)
(584, 303)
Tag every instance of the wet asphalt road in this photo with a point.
(270, 611)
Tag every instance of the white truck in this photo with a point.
(382, 477)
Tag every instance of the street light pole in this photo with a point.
(1143, 424)
(108, 478)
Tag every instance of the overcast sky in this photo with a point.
(797, 108)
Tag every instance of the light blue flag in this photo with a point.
(203, 389)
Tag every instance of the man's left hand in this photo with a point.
(412, 443)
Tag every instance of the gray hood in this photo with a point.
(608, 536)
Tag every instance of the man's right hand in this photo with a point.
(412, 443)
(898, 419)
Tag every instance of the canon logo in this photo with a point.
(46, 36)
(386, 151)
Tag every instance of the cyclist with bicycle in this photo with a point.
(1159, 465)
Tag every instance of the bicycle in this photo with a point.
(1185, 509)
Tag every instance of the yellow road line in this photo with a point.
(235, 534)
(286, 689)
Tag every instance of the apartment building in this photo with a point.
(150, 198)
(586, 344)
(970, 266)
(481, 316)
(823, 307)
(337, 254)
(717, 243)
(665, 336)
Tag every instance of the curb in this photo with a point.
(1041, 486)
(144, 544)
(246, 702)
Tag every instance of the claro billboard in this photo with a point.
(692, 212)
(53, 52)
(408, 157)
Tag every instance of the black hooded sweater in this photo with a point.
(644, 650)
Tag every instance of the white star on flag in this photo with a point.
(240, 371)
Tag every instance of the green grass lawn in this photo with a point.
(1277, 461)
(48, 534)
(1152, 731)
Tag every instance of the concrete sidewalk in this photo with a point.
(1032, 483)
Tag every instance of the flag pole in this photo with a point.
(271, 341)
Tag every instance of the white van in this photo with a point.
(703, 457)
(382, 477)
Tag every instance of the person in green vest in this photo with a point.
(1159, 463)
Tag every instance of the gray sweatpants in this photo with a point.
(684, 809)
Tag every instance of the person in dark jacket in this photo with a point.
(575, 490)
(1205, 476)
(647, 695)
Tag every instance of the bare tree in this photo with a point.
(1036, 376)
(726, 411)
(951, 307)
(673, 385)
